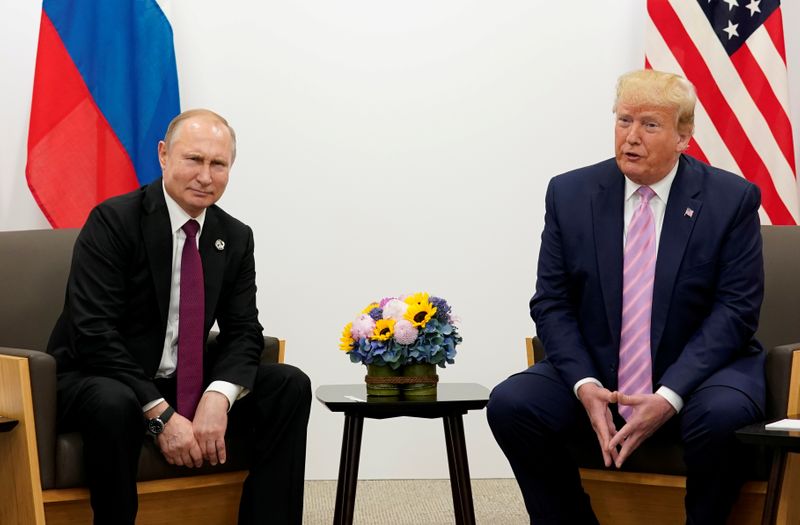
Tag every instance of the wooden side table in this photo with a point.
(781, 442)
(452, 401)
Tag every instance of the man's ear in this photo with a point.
(162, 154)
(684, 137)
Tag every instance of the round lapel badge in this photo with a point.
(219, 244)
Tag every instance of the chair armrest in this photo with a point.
(42, 367)
(273, 352)
(779, 379)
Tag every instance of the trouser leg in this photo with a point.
(110, 421)
(277, 411)
(530, 415)
(717, 464)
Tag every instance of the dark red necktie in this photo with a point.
(191, 317)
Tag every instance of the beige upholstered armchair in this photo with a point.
(41, 471)
(652, 485)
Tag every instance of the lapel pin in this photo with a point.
(688, 213)
(219, 244)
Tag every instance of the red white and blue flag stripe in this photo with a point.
(733, 52)
(105, 89)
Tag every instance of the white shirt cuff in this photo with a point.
(229, 390)
(151, 404)
(583, 382)
(674, 399)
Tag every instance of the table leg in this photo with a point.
(459, 469)
(348, 470)
(773, 497)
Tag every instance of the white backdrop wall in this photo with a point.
(386, 147)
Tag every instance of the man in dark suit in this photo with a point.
(649, 286)
(152, 271)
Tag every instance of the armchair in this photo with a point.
(651, 486)
(42, 469)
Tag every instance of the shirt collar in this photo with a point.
(178, 216)
(660, 188)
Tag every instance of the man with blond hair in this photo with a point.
(152, 271)
(649, 286)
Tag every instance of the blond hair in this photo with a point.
(172, 129)
(659, 89)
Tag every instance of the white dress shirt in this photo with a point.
(658, 205)
(169, 356)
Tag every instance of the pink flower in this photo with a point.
(385, 300)
(404, 332)
(394, 309)
(362, 326)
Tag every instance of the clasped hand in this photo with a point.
(188, 443)
(651, 411)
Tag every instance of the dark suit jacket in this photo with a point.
(708, 283)
(115, 313)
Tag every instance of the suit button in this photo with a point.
(614, 368)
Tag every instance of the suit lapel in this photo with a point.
(212, 253)
(675, 233)
(607, 215)
(158, 243)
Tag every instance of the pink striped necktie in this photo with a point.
(635, 362)
(191, 318)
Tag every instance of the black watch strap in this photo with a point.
(165, 415)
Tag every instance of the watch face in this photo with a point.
(155, 426)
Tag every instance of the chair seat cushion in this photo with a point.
(152, 465)
(653, 457)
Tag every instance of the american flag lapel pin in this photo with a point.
(688, 213)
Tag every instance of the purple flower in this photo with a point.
(362, 326)
(376, 313)
(442, 309)
(404, 332)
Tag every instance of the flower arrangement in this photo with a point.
(405, 330)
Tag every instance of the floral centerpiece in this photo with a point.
(393, 335)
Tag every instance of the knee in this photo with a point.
(503, 408)
(114, 407)
(712, 419)
(291, 382)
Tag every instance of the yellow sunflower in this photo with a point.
(369, 308)
(420, 313)
(417, 298)
(346, 342)
(384, 329)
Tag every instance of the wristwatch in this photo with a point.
(156, 424)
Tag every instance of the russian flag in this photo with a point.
(105, 89)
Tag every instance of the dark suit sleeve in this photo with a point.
(96, 297)
(552, 308)
(240, 339)
(727, 330)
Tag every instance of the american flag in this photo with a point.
(733, 52)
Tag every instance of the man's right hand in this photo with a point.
(178, 444)
(595, 400)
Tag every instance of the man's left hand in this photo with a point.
(650, 412)
(209, 424)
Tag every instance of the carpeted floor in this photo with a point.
(417, 502)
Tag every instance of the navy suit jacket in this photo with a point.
(115, 313)
(708, 288)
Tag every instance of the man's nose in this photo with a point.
(204, 177)
(634, 136)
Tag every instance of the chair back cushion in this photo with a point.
(33, 279)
